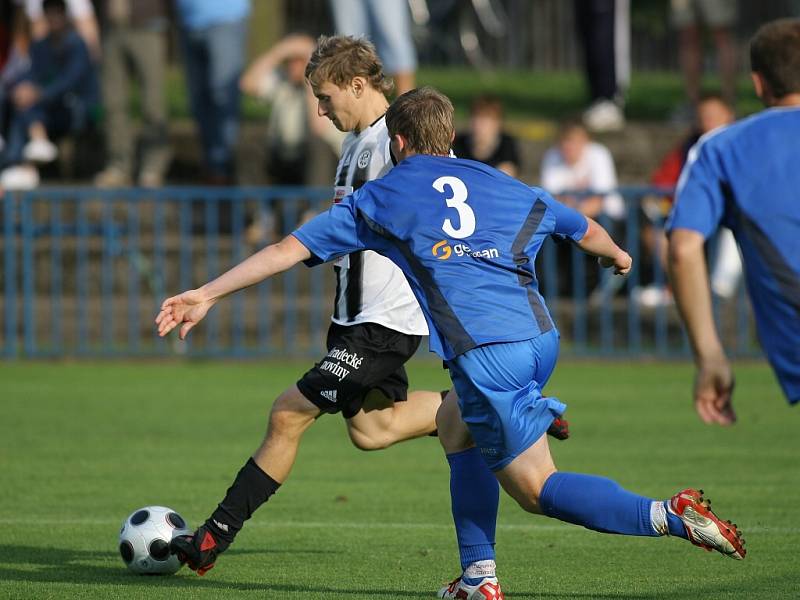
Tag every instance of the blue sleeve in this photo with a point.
(332, 234)
(569, 223)
(699, 202)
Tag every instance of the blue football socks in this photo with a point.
(602, 505)
(475, 495)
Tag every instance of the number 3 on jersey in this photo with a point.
(458, 200)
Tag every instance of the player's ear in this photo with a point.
(357, 85)
(759, 84)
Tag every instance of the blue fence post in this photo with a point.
(10, 269)
(56, 279)
(633, 243)
(28, 283)
(82, 283)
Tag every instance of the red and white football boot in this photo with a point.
(705, 529)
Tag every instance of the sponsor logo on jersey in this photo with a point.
(329, 395)
(443, 250)
(363, 159)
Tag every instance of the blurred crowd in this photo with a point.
(70, 68)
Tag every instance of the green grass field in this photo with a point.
(84, 444)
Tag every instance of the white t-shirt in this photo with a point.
(370, 288)
(594, 171)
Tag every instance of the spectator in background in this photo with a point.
(298, 138)
(58, 95)
(213, 36)
(720, 18)
(486, 141)
(134, 43)
(278, 77)
(581, 174)
(712, 112)
(80, 12)
(15, 58)
(604, 30)
(387, 24)
(578, 164)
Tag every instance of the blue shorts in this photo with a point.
(499, 390)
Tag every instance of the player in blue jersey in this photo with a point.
(465, 235)
(747, 178)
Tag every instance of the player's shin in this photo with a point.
(603, 505)
(251, 488)
(475, 496)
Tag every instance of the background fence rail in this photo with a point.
(85, 270)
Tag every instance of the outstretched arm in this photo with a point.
(689, 277)
(597, 242)
(190, 307)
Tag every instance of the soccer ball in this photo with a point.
(144, 540)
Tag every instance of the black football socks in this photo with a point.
(251, 488)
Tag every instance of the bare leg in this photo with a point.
(726, 55)
(403, 82)
(524, 478)
(382, 422)
(691, 59)
(291, 415)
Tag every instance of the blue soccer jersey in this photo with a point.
(465, 235)
(747, 177)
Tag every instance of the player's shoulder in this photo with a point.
(752, 128)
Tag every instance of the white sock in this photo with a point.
(658, 518)
(481, 569)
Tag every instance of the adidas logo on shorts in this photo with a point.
(329, 395)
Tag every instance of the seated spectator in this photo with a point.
(57, 96)
(712, 112)
(82, 16)
(278, 77)
(298, 139)
(581, 174)
(486, 141)
(14, 58)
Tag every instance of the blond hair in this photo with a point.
(424, 117)
(340, 58)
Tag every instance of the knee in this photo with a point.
(286, 421)
(529, 499)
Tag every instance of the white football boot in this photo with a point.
(487, 589)
(705, 529)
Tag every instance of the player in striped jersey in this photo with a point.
(376, 325)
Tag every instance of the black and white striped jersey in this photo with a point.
(369, 287)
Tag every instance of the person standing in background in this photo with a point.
(213, 37)
(720, 18)
(134, 35)
(604, 31)
(387, 24)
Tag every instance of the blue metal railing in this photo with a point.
(84, 271)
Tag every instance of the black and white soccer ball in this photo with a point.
(144, 540)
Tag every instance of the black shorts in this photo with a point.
(361, 358)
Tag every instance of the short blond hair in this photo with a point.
(340, 58)
(424, 117)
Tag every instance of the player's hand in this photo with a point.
(25, 95)
(621, 262)
(713, 391)
(186, 309)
